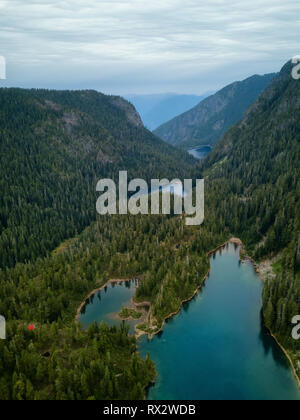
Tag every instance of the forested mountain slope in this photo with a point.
(54, 147)
(254, 171)
(206, 123)
(156, 110)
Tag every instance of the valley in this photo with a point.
(55, 250)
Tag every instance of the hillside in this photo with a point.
(206, 123)
(252, 192)
(54, 147)
(254, 171)
(156, 110)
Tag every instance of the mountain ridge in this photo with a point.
(207, 122)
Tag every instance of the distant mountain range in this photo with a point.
(155, 110)
(207, 122)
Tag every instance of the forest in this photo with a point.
(55, 146)
(55, 250)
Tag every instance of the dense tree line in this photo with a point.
(65, 363)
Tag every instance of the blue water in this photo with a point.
(217, 347)
(172, 188)
(106, 304)
(200, 152)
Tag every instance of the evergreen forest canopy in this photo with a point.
(252, 191)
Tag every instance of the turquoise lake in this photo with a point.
(216, 348)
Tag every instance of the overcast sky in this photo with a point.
(145, 46)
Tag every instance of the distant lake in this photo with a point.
(200, 152)
(217, 348)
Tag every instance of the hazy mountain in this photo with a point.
(158, 109)
(206, 123)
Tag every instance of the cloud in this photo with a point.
(136, 45)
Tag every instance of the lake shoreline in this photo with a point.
(138, 306)
(147, 314)
(287, 356)
(150, 336)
